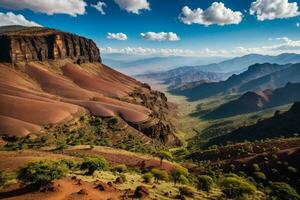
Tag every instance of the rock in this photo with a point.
(42, 44)
(119, 180)
(141, 192)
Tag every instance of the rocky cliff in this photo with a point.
(40, 44)
(57, 77)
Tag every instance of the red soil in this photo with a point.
(37, 95)
(64, 189)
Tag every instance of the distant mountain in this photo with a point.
(138, 64)
(285, 124)
(225, 68)
(255, 101)
(236, 82)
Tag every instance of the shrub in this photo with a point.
(159, 174)
(235, 186)
(147, 178)
(3, 178)
(71, 164)
(283, 191)
(164, 155)
(256, 167)
(42, 172)
(260, 175)
(179, 172)
(205, 183)
(186, 191)
(183, 179)
(93, 163)
(120, 168)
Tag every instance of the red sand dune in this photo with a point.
(37, 94)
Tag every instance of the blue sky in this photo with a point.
(250, 33)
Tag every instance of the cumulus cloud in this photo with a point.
(117, 36)
(162, 36)
(100, 7)
(273, 9)
(285, 46)
(9, 18)
(217, 13)
(50, 7)
(133, 6)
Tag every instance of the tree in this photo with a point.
(234, 186)
(178, 172)
(42, 172)
(3, 178)
(120, 168)
(164, 155)
(93, 163)
(159, 174)
(147, 178)
(205, 183)
(283, 191)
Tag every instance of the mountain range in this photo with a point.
(222, 70)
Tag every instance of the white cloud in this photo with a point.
(162, 36)
(273, 9)
(285, 39)
(100, 7)
(11, 19)
(133, 6)
(298, 24)
(50, 7)
(217, 13)
(285, 46)
(117, 36)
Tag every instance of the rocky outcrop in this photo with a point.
(42, 44)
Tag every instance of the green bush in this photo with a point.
(120, 168)
(183, 180)
(159, 174)
(205, 183)
(179, 172)
(164, 155)
(71, 164)
(283, 191)
(42, 172)
(3, 178)
(93, 163)
(147, 178)
(260, 175)
(186, 191)
(234, 186)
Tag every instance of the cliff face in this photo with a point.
(40, 44)
(40, 91)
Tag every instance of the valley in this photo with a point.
(72, 127)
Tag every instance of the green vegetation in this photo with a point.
(42, 172)
(3, 178)
(147, 177)
(186, 191)
(120, 168)
(205, 183)
(159, 174)
(234, 186)
(164, 155)
(179, 174)
(283, 191)
(93, 163)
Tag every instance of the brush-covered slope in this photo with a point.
(49, 77)
(255, 101)
(285, 124)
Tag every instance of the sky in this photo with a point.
(168, 27)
